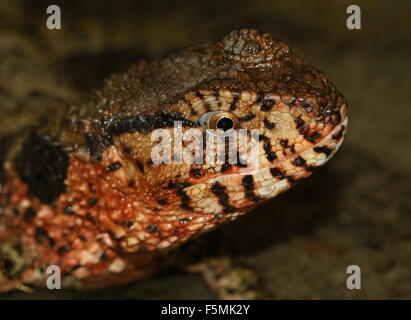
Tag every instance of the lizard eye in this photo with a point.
(218, 120)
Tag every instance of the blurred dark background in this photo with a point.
(356, 210)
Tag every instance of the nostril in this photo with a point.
(307, 106)
(328, 111)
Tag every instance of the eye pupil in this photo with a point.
(225, 124)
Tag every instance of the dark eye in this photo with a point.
(225, 123)
(218, 120)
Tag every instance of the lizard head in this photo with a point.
(285, 116)
(134, 168)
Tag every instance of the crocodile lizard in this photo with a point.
(83, 193)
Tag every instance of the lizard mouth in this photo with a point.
(316, 155)
(274, 179)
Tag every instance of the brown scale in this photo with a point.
(107, 214)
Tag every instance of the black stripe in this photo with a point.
(179, 187)
(270, 155)
(148, 123)
(276, 173)
(196, 172)
(267, 104)
(96, 144)
(199, 95)
(314, 137)
(206, 105)
(324, 149)
(247, 117)
(226, 166)
(140, 165)
(299, 161)
(291, 180)
(215, 94)
(128, 151)
(41, 234)
(235, 99)
(248, 183)
(265, 107)
(114, 166)
(152, 228)
(220, 192)
(339, 134)
(269, 125)
(185, 199)
(299, 122)
(284, 143)
(304, 131)
(29, 214)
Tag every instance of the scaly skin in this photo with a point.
(84, 194)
